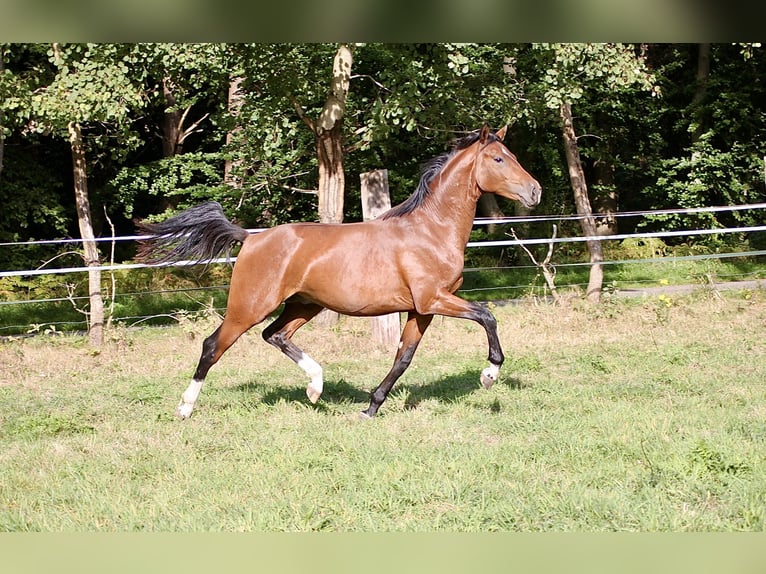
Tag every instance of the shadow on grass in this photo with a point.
(445, 389)
(334, 392)
(452, 387)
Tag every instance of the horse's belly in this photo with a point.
(360, 292)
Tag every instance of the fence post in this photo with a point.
(376, 201)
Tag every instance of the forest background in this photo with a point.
(97, 136)
(165, 126)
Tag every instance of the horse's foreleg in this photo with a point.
(279, 333)
(212, 349)
(411, 335)
(451, 305)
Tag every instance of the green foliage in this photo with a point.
(637, 109)
(93, 83)
(571, 69)
(706, 458)
(639, 248)
(708, 176)
(185, 179)
(704, 149)
(33, 201)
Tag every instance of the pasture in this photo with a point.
(635, 415)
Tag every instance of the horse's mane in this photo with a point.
(429, 171)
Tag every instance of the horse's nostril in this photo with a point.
(537, 192)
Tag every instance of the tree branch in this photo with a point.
(184, 133)
(111, 264)
(548, 270)
(302, 115)
(299, 190)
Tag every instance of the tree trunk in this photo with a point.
(327, 132)
(96, 315)
(331, 176)
(376, 200)
(488, 207)
(605, 198)
(235, 101)
(328, 129)
(703, 72)
(171, 121)
(582, 202)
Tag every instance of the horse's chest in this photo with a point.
(444, 267)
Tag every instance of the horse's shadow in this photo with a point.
(447, 390)
(451, 388)
(334, 392)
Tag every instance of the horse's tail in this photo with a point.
(200, 234)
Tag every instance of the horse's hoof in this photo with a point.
(489, 376)
(313, 395)
(184, 411)
(363, 416)
(487, 380)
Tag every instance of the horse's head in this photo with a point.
(498, 171)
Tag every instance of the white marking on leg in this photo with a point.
(314, 371)
(186, 406)
(489, 375)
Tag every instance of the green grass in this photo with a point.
(648, 417)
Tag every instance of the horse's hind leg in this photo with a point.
(411, 335)
(212, 349)
(279, 333)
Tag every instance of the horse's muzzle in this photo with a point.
(533, 195)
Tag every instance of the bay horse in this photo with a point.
(410, 260)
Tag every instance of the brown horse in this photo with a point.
(408, 260)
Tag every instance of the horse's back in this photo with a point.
(352, 268)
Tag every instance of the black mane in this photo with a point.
(430, 170)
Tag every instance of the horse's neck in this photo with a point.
(451, 205)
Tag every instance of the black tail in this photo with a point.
(201, 234)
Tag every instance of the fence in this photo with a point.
(471, 289)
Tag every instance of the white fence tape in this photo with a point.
(471, 244)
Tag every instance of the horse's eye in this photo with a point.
(499, 159)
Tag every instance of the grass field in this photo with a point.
(640, 415)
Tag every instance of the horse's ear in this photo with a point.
(500, 134)
(484, 134)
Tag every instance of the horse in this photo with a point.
(408, 260)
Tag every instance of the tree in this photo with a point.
(31, 185)
(402, 105)
(91, 87)
(571, 69)
(82, 205)
(234, 105)
(327, 130)
(272, 155)
(582, 202)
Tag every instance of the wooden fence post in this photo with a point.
(376, 201)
